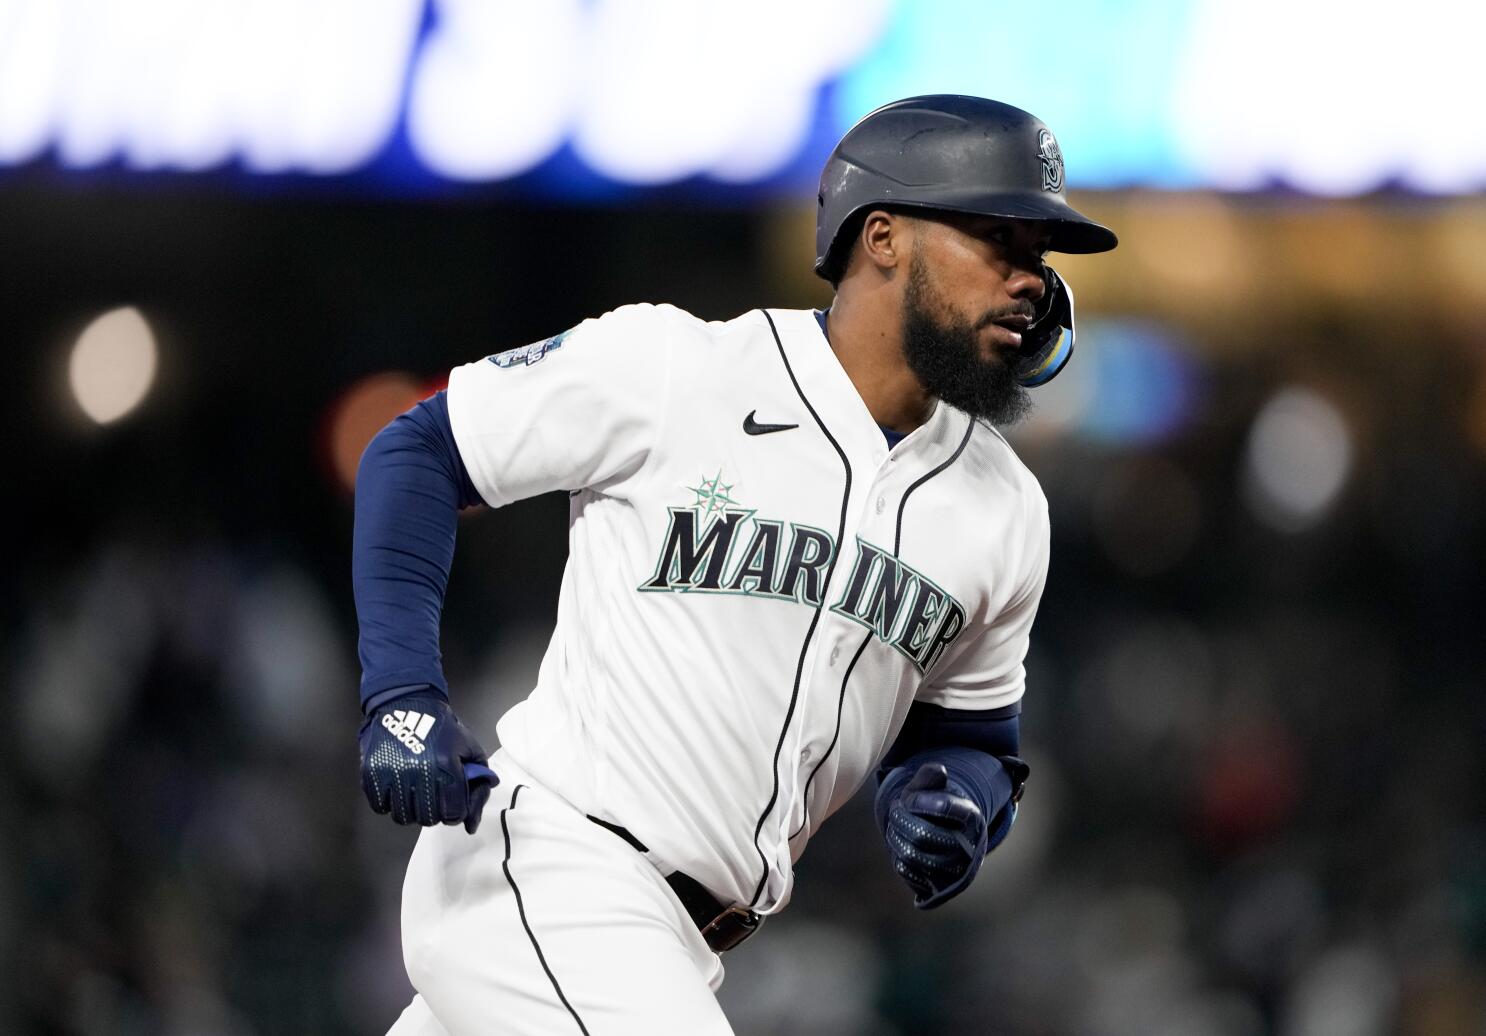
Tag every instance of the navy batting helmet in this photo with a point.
(953, 153)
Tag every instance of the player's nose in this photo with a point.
(1026, 282)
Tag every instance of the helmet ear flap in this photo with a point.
(1047, 344)
(833, 264)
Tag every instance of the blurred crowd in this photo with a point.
(1253, 719)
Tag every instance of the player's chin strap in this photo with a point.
(1047, 344)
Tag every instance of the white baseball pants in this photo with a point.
(542, 922)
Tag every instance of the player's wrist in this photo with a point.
(979, 776)
(380, 699)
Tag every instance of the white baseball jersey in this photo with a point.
(757, 588)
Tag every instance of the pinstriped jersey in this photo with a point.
(757, 587)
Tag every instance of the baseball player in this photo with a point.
(801, 558)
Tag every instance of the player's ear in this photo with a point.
(883, 237)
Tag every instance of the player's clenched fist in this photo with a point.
(935, 832)
(942, 811)
(422, 765)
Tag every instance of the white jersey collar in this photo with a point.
(829, 391)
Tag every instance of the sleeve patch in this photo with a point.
(526, 355)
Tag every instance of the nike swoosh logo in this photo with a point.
(752, 427)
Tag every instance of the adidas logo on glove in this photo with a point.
(409, 727)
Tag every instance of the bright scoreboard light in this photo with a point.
(595, 97)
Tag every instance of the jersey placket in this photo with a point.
(836, 644)
(883, 475)
(878, 478)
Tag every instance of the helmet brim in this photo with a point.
(1072, 231)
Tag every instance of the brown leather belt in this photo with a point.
(722, 926)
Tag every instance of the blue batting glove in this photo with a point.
(422, 765)
(935, 832)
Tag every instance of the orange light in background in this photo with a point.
(112, 365)
(1456, 248)
(1475, 414)
(1192, 244)
(360, 413)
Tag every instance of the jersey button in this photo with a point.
(881, 504)
(835, 654)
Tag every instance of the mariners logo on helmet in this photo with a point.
(1052, 161)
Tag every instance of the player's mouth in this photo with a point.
(1008, 330)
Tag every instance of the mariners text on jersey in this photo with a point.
(790, 565)
(757, 586)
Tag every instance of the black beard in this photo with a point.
(945, 357)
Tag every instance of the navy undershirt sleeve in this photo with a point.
(409, 489)
(995, 732)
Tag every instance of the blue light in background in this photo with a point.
(609, 100)
(1100, 74)
(1145, 383)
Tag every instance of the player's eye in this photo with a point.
(1005, 240)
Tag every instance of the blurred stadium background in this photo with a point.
(235, 239)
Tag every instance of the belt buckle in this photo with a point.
(730, 928)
